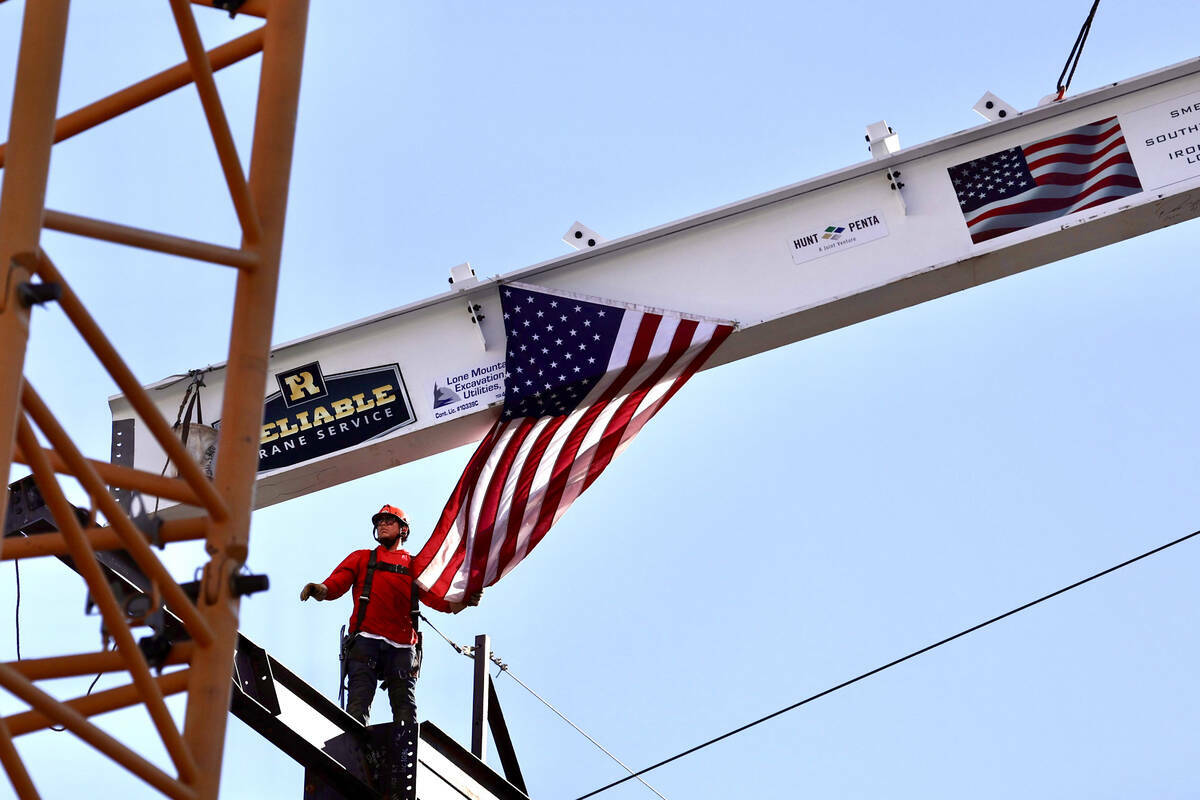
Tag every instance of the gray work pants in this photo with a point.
(371, 661)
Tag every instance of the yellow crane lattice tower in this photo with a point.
(204, 664)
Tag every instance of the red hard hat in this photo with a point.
(386, 510)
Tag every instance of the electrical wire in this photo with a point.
(599, 746)
(1076, 52)
(891, 664)
(17, 610)
(469, 652)
(17, 620)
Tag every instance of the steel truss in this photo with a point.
(260, 200)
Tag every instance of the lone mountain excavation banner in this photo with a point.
(314, 414)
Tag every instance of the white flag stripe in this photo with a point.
(630, 324)
(1066, 168)
(1093, 129)
(655, 397)
(490, 497)
(1033, 218)
(429, 576)
(591, 441)
(1061, 166)
(454, 538)
(507, 493)
(618, 361)
(623, 346)
(1032, 152)
(541, 482)
(475, 506)
(588, 450)
(1026, 220)
(551, 455)
(1051, 190)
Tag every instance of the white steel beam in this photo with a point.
(763, 262)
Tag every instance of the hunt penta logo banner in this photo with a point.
(314, 414)
(825, 239)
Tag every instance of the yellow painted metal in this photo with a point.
(202, 76)
(77, 723)
(53, 544)
(260, 202)
(36, 669)
(130, 536)
(149, 240)
(149, 89)
(98, 703)
(110, 610)
(22, 201)
(241, 423)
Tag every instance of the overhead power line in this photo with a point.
(891, 664)
(469, 652)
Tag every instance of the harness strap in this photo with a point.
(365, 597)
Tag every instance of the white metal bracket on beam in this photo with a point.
(892, 176)
(463, 277)
(993, 109)
(581, 237)
(477, 318)
(883, 142)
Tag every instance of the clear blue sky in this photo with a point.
(788, 521)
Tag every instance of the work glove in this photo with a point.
(317, 590)
(470, 600)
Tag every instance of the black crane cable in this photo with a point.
(891, 664)
(1076, 52)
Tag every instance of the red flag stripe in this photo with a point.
(1046, 204)
(509, 480)
(646, 414)
(565, 464)
(482, 542)
(459, 533)
(445, 523)
(451, 533)
(1078, 158)
(1081, 178)
(527, 472)
(516, 516)
(720, 334)
(1074, 138)
(992, 233)
(611, 438)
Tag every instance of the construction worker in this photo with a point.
(382, 644)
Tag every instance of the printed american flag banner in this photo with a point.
(582, 376)
(1050, 178)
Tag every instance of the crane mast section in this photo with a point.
(806, 259)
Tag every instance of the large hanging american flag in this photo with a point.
(1050, 178)
(582, 376)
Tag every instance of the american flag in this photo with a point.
(1022, 186)
(582, 376)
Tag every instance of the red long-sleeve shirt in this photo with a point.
(390, 607)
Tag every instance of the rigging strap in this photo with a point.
(1076, 52)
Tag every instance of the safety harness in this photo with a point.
(363, 599)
